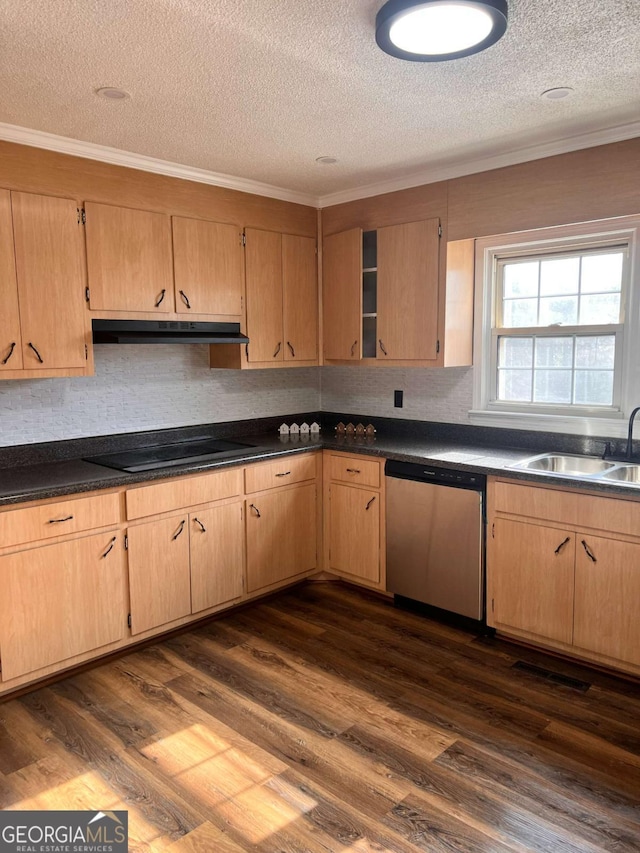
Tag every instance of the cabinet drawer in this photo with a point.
(45, 521)
(364, 472)
(177, 494)
(532, 502)
(282, 472)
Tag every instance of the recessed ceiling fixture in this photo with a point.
(112, 94)
(436, 30)
(557, 94)
(326, 161)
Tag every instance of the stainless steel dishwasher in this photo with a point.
(435, 536)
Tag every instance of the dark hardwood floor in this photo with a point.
(326, 720)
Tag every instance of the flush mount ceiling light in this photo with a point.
(112, 93)
(557, 94)
(326, 161)
(436, 30)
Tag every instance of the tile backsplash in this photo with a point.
(149, 387)
(140, 388)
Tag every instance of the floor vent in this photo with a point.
(556, 677)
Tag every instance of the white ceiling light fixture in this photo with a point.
(557, 94)
(326, 161)
(437, 30)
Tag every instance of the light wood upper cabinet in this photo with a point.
(129, 259)
(407, 291)
(342, 295)
(300, 298)
(51, 281)
(61, 600)
(208, 262)
(264, 295)
(159, 572)
(217, 555)
(10, 336)
(531, 579)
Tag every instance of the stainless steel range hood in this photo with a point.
(165, 332)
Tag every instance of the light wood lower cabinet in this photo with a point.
(61, 600)
(554, 579)
(281, 535)
(159, 573)
(217, 555)
(354, 547)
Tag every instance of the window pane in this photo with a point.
(559, 309)
(552, 386)
(558, 276)
(596, 351)
(601, 273)
(519, 313)
(599, 309)
(514, 385)
(554, 352)
(594, 387)
(515, 352)
(520, 280)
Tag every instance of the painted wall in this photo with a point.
(140, 388)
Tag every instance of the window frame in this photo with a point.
(557, 241)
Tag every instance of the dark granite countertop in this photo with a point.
(47, 471)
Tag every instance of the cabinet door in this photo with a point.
(300, 295)
(10, 339)
(281, 535)
(51, 281)
(159, 577)
(264, 295)
(408, 290)
(61, 600)
(342, 295)
(208, 264)
(129, 259)
(531, 577)
(217, 555)
(354, 532)
(607, 594)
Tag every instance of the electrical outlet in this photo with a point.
(397, 399)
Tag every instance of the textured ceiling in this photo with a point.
(260, 88)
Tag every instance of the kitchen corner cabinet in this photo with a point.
(43, 325)
(354, 518)
(80, 605)
(281, 304)
(383, 300)
(563, 570)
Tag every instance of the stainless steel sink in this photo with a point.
(566, 464)
(624, 473)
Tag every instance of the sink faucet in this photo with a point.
(629, 452)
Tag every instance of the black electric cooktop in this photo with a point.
(165, 455)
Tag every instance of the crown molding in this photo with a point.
(117, 157)
(459, 168)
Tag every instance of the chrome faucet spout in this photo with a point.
(632, 416)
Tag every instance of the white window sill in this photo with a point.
(612, 426)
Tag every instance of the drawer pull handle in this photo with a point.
(353, 347)
(370, 502)
(353, 470)
(38, 356)
(293, 352)
(277, 350)
(10, 353)
(382, 347)
(284, 474)
(161, 297)
(588, 551)
(561, 545)
(60, 520)
(200, 525)
(179, 530)
(185, 299)
(110, 547)
(255, 508)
